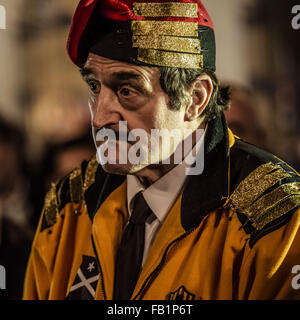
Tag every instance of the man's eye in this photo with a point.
(125, 92)
(94, 86)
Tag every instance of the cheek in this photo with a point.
(157, 113)
(169, 119)
(143, 119)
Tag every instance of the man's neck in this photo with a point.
(152, 173)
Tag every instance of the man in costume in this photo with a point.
(150, 229)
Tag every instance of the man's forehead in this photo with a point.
(99, 65)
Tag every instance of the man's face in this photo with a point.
(126, 92)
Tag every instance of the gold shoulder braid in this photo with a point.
(51, 206)
(90, 173)
(76, 186)
(261, 209)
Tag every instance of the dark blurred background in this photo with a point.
(44, 117)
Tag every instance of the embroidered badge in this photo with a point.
(181, 294)
(85, 283)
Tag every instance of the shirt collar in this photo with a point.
(161, 195)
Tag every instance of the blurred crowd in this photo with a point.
(22, 189)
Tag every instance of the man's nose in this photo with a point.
(106, 109)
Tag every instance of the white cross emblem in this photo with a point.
(85, 283)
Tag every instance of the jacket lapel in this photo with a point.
(108, 223)
(103, 186)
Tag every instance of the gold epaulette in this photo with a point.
(51, 206)
(77, 185)
(252, 198)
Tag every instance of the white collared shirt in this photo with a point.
(161, 195)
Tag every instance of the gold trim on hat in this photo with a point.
(167, 9)
(170, 59)
(165, 28)
(189, 45)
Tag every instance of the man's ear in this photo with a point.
(200, 90)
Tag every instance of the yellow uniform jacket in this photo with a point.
(233, 233)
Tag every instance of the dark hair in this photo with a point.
(175, 82)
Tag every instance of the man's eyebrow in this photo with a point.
(123, 75)
(86, 72)
(138, 81)
(116, 76)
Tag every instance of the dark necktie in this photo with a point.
(130, 253)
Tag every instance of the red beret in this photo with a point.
(158, 33)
